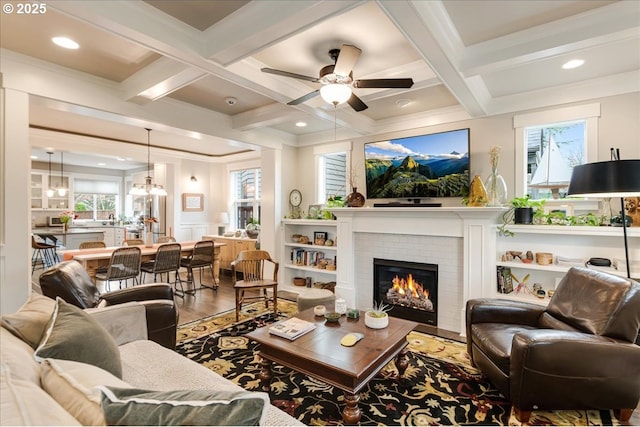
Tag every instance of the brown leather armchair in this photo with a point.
(70, 281)
(577, 353)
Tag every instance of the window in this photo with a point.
(552, 152)
(332, 178)
(549, 144)
(96, 200)
(245, 194)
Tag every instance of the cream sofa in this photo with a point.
(59, 392)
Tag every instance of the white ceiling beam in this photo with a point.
(612, 85)
(159, 79)
(428, 27)
(268, 115)
(603, 25)
(260, 24)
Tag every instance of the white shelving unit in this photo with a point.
(288, 268)
(577, 243)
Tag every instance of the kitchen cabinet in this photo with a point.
(113, 236)
(569, 246)
(316, 259)
(39, 185)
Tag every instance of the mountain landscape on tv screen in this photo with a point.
(413, 176)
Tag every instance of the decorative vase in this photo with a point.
(496, 189)
(376, 322)
(66, 226)
(355, 199)
(477, 193)
(148, 239)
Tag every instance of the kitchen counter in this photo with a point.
(72, 238)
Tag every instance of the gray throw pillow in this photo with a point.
(126, 406)
(72, 334)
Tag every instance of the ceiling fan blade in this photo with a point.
(304, 98)
(356, 103)
(288, 74)
(383, 83)
(346, 60)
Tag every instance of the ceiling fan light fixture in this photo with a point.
(335, 93)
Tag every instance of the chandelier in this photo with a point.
(148, 187)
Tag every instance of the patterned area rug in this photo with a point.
(440, 387)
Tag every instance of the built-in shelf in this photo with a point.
(312, 269)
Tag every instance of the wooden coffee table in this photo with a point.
(320, 355)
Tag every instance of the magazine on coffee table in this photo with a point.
(291, 328)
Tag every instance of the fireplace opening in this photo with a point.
(410, 288)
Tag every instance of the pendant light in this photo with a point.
(50, 191)
(148, 187)
(62, 190)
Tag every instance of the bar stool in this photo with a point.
(43, 254)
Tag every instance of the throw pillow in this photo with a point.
(73, 386)
(23, 403)
(73, 334)
(183, 407)
(29, 322)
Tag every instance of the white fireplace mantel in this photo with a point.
(475, 226)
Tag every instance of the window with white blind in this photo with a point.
(332, 179)
(245, 196)
(96, 200)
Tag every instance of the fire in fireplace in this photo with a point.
(409, 287)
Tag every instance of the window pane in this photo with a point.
(552, 152)
(245, 191)
(94, 206)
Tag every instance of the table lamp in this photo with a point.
(222, 218)
(614, 178)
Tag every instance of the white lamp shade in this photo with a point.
(222, 218)
(335, 93)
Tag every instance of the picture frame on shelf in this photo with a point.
(315, 212)
(319, 237)
(192, 202)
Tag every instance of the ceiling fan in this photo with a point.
(338, 77)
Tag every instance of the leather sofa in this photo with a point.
(70, 281)
(576, 353)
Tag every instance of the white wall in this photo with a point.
(619, 126)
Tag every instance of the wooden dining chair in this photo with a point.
(200, 258)
(251, 265)
(133, 242)
(123, 265)
(92, 244)
(167, 260)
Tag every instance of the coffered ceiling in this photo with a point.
(191, 69)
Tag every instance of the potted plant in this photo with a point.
(524, 209)
(377, 317)
(253, 228)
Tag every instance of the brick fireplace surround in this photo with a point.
(461, 240)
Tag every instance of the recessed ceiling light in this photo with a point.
(574, 63)
(403, 102)
(301, 124)
(102, 164)
(34, 157)
(121, 159)
(65, 42)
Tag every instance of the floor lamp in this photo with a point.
(615, 178)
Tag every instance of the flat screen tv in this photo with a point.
(424, 166)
